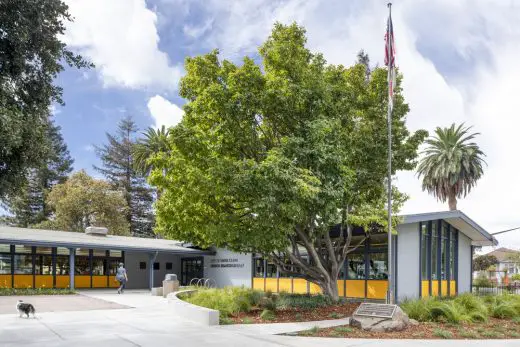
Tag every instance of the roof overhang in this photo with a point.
(478, 235)
(51, 238)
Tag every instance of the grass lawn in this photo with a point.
(248, 306)
(35, 291)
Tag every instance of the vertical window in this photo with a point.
(452, 254)
(424, 251)
(169, 266)
(435, 246)
(114, 264)
(5, 264)
(378, 266)
(142, 265)
(43, 265)
(98, 266)
(356, 267)
(444, 250)
(82, 265)
(259, 267)
(23, 264)
(62, 265)
(156, 266)
(271, 270)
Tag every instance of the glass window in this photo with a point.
(99, 253)
(259, 267)
(378, 266)
(5, 264)
(82, 266)
(23, 264)
(356, 267)
(169, 266)
(156, 266)
(62, 265)
(5, 248)
(271, 270)
(62, 251)
(23, 249)
(114, 264)
(82, 252)
(355, 241)
(116, 254)
(452, 256)
(379, 241)
(435, 245)
(43, 265)
(424, 251)
(43, 250)
(142, 266)
(98, 266)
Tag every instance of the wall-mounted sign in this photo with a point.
(225, 263)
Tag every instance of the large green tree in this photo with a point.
(268, 158)
(83, 201)
(119, 169)
(31, 56)
(452, 164)
(28, 203)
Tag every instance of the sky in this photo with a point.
(459, 60)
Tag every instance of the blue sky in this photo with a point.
(459, 60)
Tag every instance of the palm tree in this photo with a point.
(451, 165)
(154, 141)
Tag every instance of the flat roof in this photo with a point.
(40, 237)
(478, 235)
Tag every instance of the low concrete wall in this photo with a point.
(193, 313)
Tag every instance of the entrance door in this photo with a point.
(191, 268)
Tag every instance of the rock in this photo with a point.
(398, 322)
(413, 322)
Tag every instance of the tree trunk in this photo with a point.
(330, 289)
(452, 202)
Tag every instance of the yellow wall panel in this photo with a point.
(299, 286)
(81, 281)
(62, 281)
(113, 283)
(5, 281)
(435, 288)
(99, 281)
(314, 288)
(355, 288)
(444, 288)
(377, 289)
(425, 289)
(44, 281)
(284, 285)
(271, 284)
(258, 283)
(341, 287)
(23, 281)
(453, 288)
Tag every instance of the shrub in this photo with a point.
(268, 303)
(445, 334)
(303, 301)
(482, 281)
(343, 330)
(267, 315)
(228, 300)
(515, 277)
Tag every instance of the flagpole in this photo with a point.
(390, 298)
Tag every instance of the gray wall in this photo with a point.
(229, 268)
(464, 280)
(138, 279)
(408, 261)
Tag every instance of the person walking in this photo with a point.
(121, 277)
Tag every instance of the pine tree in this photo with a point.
(118, 169)
(27, 204)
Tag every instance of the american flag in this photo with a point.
(390, 58)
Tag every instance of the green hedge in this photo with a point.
(35, 291)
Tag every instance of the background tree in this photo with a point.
(31, 56)
(119, 170)
(152, 143)
(483, 262)
(451, 164)
(267, 159)
(83, 201)
(28, 203)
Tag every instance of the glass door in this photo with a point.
(191, 268)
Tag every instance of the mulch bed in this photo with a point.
(341, 310)
(493, 329)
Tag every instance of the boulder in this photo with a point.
(398, 322)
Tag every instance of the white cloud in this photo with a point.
(164, 112)
(484, 37)
(120, 37)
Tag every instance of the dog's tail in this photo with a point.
(32, 310)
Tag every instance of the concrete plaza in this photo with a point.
(150, 321)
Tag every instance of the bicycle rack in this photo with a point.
(203, 282)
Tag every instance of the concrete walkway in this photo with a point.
(152, 323)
